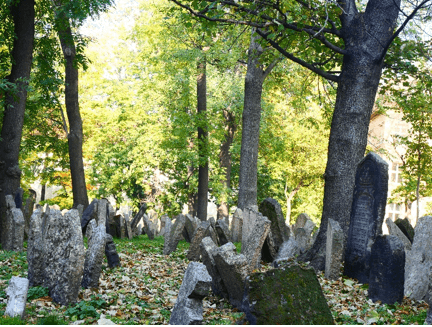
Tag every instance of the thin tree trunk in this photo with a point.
(23, 14)
(202, 141)
(225, 160)
(361, 73)
(75, 137)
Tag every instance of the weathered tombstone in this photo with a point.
(233, 268)
(35, 249)
(28, 211)
(111, 252)
(17, 297)
(418, 265)
(208, 248)
(301, 238)
(236, 226)
(88, 214)
(278, 234)
(19, 198)
(80, 209)
(167, 247)
(138, 216)
(188, 309)
(406, 228)
(13, 236)
(301, 221)
(161, 230)
(122, 226)
(190, 226)
(128, 227)
(175, 234)
(386, 280)
(394, 230)
(149, 227)
(212, 233)
(194, 249)
(289, 295)
(96, 248)
(212, 222)
(253, 241)
(334, 250)
(63, 267)
(288, 249)
(222, 231)
(367, 215)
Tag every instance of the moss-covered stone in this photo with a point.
(406, 228)
(289, 295)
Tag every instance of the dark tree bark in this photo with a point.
(225, 159)
(202, 141)
(75, 135)
(255, 76)
(364, 34)
(23, 14)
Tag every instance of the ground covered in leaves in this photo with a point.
(145, 288)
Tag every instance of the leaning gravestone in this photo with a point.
(279, 233)
(64, 262)
(237, 226)
(367, 215)
(35, 249)
(233, 268)
(175, 234)
(111, 252)
(289, 295)
(222, 231)
(334, 250)
(13, 227)
(88, 214)
(394, 230)
(208, 248)
(138, 216)
(190, 226)
(406, 228)
(288, 249)
(386, 279)
(17, 297)
(188, 309)
(194, 249)
(418, 266)
(253, 241)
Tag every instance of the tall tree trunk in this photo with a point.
(202, 141)
(364, 35)
(250, 126)
(23, 14)
(225, 159)
(75, 136)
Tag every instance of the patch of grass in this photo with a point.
(36, 293)
(238, 246)
(52, 319)
(6, 320)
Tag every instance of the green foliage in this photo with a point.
(51, 319)
(6, 320)
(85, 309)
(36, 292)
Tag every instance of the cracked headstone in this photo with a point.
(233, 269)
(13, 233)
(367, 215)
(253, 242)
(17, 297)
(202, 231)
(63, 267)
(289, 295)
(188, 309)
(237, 226)
(418, 266)
(222, 231)
(386, 280)
(208, 248)
(334, 250)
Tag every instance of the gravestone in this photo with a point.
(175, 234)
(418, 265)
(288, 249)
(278, 234)
(301, 238)
(301, 221)
(202, 231)
(35, 249)
(233, 269)
(13, 234)
(253, 241)
(222, 231)
(334, 250)
(111, 252)
(406, 228)
(64, 262)
(367, 215)
(394, 230)
(167, 247)
(386, 280)
(190, 226)
(19, 198)
(88, 214)
(138, 216)
(17, 297)
(237, 226)
(162, 225)
(208, 248)
(289, 295)
(128, 228)
(188, 309)
(28, 211)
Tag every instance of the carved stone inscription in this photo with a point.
(367, 215)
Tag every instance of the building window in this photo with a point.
(394, 211)
(395, 173)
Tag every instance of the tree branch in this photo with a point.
(298, 60)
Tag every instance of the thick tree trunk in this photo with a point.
(75, 136)
(225, 160)
(23, 14)
(202, 141)
(364, 36)
(250, 129)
